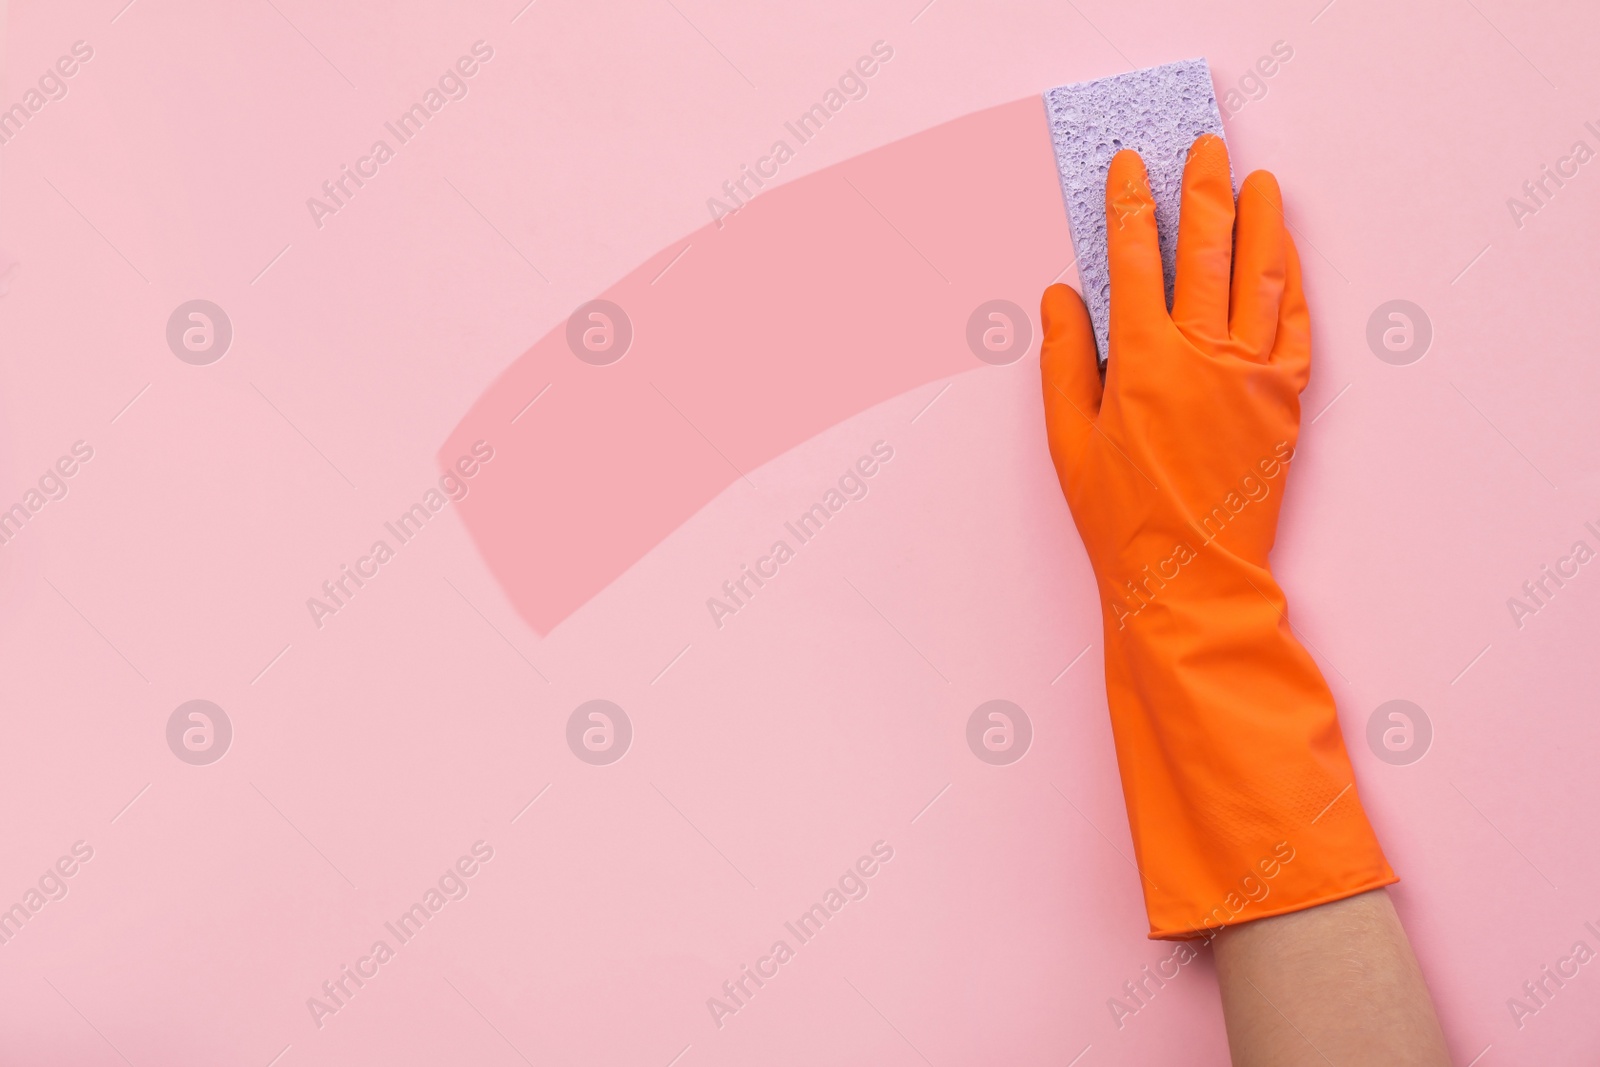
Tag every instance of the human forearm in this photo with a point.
(1336, 983)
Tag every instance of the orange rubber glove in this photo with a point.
(1239, 791)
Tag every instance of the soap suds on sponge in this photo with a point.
(1157, 112)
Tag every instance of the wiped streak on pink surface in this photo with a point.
(817, 300)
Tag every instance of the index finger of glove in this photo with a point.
(1138, 294)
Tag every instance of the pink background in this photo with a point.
(767, 755)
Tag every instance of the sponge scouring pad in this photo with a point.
(1157, 112)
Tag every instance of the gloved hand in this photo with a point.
(1239, 791)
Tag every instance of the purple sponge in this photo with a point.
(1158, 112)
